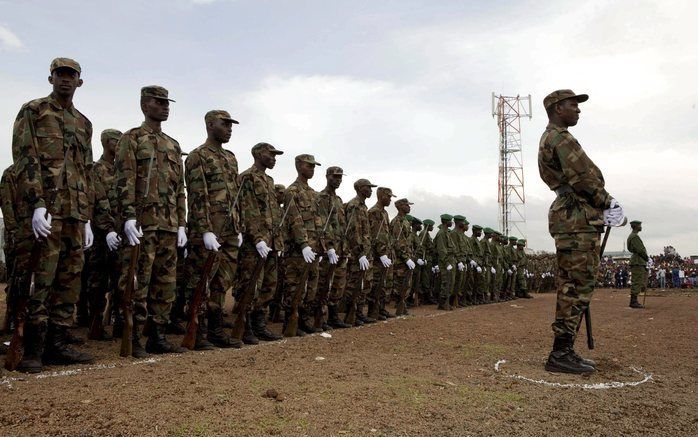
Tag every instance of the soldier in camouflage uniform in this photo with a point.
(429, 258)
(303, 230)
(147, 158)
(211, 174)
(575, 219)
(8, 200)
(275, 304)
(476, 264)
(418, 251)
(382, 255)
(102, 264)
(332, 286)
(638, 264)
(52, 152)
(359, 248)
(521, 287)
(403, 265)
(446, 259)
(261, 216)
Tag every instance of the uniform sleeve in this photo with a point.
(295, 225)
(103, 218)
(379, 232)
(441, 249)
(181, 196)
(251, 212)
(125, 180)
(26, 160)
(7, 196)
(198, 200)
(89, 175)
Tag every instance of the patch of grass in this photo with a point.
(479, 395)
(197, 429)
(492, 350)
(406, 389)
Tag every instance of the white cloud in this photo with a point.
(8, 40)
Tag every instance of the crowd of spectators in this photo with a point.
(666, 271)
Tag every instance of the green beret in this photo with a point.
(521, 242)
(416, 220)
(513, 239)
(477, 227)
(489, 231)
(636, 222)
(447, 217)
(459, 218)
(429, 222)
(409, 218)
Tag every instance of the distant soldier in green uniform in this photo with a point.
(477, 265)
(513, 266)
(403, 264)
(638, 264)
(429, 258)
(148, 158)
(418, 251)
(52, 153)
(489, 263)
(461, 255)
(446, 258)
(382, 255)
(521, 287)
(576, 218)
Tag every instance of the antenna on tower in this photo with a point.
(510, 188)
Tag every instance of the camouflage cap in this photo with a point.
(403, 201)
(219, 114)
(560, 95)
(521, 242)
(110, 134)
(386, 191)
(429, 222)
(636, 222)
(155, 91)
(447, 217)
(310, 159)
(65, 63)
(334, 170)
(363, 183)
(260, 147)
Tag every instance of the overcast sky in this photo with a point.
(395, 91)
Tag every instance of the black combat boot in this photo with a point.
(57, 350)
(372, 311)
(304, 323)
(117, 329)
(176, 327)
(360, 315)
(333, 318)
(563, 359)
(158, 344)
(634, 302)
(385, 313)
(444, 305)
(248, 336)
(260, 329)
(34, 337)
(137, 349)
(72, 339)
(217, 335)
(201, 343)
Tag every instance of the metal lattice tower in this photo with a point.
(510, 195)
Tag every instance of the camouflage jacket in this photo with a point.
(303, 222)
(165, 208)
(8, 197)
(400, 231)
(477, 251)
(336, 221)
(637, 248)
(380, 231)
(358, 228)
(211, 173)
(261, 213)
(487, 255)
(60, 146)
(445, 248)
(105, 196)
(563, 165)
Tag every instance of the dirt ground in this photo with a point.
(431, 373)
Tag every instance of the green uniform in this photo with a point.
(521, 287)
(445, 254)
(429, 257)
(479, 277)
(638, 263)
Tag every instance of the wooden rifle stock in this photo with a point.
(199, 293)
(246, 298)
(127, 302)
(323, 297)
(292, 324)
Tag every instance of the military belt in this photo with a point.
(564, 189)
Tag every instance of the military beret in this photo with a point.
(477, 227)
(459, 218)
(408, 217)
(219, 114)
(65, 63)
(110, 133)
(488, 231)
(261, 147)
(521, 242)
(513, 238)
(384, 190)
(636, 222)
(155, 91)
(310, 159)
(560, 95)
(416, 220)
(334, 170)
(429, 222)
(363, 183)
(447, 217)
(403, 202)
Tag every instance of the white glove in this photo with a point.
(363, 262)
(113, 240)
(420, 261)
(509, 271)
(614, 215)
(513, 266)
(41, 224)
(308, 254)
(543, 276)
(460, 266)
(89, 236)
(473, 264)
(433, 269)
(449, 267)
(211, 241)
(410, 264)
(181, 237)
(479, 269)
(493, 270)
(437, 269)
(332, 256)
(386, 261)
(132, 233)
(239, 240)
(262, 249)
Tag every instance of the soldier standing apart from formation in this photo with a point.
(214, 226)
(52, 152)
(403, 265)
(147, 158)
(359, 246)
(261, 217)
(575, 220)
(638, 264)
(382, 253)
(446, 258)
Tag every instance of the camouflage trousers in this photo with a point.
(639, 275)
(102, 267)
(578, 262)
(156, 276)
(355, 285)
(402, 277)
(57, 276)
(380, 291)
(223, 272)
(266, 282)
(295, 265)
(339, 280)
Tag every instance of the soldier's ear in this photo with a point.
(79, 83)
(50, 79)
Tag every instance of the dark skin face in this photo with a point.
(636, 228)
(565, 113)
(265, 160)
(305, 170)
(416, 227)
(109, 146)
(403, 209)
(219, 131)
(460, 226)
(334, 181)
(155, 110)
(431, 228)
(280, 196)
(365, 191)
(65, 81)
(477, 232)
(384, 199)
(446, 223)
